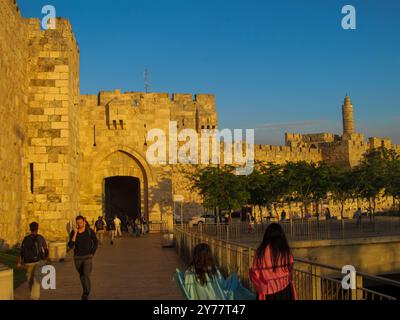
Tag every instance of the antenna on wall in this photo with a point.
(146, 80)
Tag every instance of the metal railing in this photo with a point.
(303, 230)
(158, 226)
(313, 281)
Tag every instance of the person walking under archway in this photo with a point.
(117, 223)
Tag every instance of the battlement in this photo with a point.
(13, 4)
(319, 137)
(311, 137)
(293, 136)
(272, 148)
(357, 136)
(206, 101)
(63, 28)
(377, 142)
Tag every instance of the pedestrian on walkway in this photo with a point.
(271, 272)
(144, 225)
(99, 228)
(137, 228)
(33, 251)
(84, 242)
(283, 215)
(129, 227)
(111, 230)
(328, 214)
(358, 216)
(117, 223)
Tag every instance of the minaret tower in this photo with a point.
(348, 117)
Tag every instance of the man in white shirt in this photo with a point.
(117, 223)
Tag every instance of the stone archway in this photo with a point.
(117, 161)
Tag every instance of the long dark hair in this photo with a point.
(275, 239)
(203, 262)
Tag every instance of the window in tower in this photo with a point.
(31, 177)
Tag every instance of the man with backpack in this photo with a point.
(84, 242)
(33, 250)
(100, 227)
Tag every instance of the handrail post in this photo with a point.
(357, 293)
(291, 228)
(342, 227)
(329, 229)
(220, 253)
(240, 262)
(250, 263)
(316, 282)
(228, 258)
(190, 246)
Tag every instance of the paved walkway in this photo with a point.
(134, 268)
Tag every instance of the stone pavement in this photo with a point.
(134, 268)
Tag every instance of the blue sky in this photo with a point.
(275, 66)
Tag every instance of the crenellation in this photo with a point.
(183, 98)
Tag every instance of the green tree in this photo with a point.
(371, 176)
(321, 183)
(298, 182)
(264, 185)
(392, 187)
(219, 187)
(342, 186)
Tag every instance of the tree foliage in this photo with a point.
(273, 184)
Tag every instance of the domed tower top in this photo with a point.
(347, 99)
(348, 116)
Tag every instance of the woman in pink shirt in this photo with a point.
(272, 268)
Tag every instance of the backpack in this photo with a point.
(30, 250)
(99, 225)
(111, 225)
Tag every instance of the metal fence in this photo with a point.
(313, 281)
(158, 226)
(298, 230)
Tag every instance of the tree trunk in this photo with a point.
(276, 211)
(305, 207)
(261, 216)
(342, 209)
(302, 211)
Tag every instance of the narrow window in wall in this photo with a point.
(94, 135)
(32, 176)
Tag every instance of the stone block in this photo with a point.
(6, 283)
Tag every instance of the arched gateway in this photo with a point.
(117, 184)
